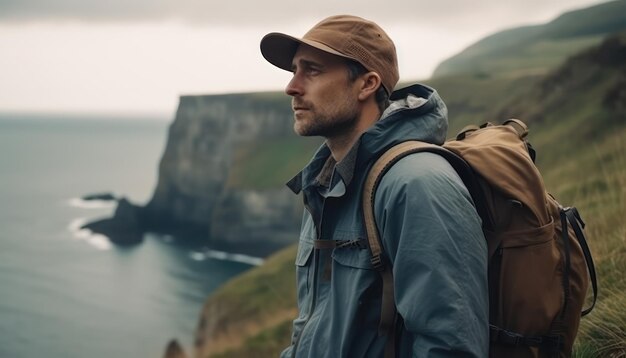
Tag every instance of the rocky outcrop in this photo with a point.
(261, 220)
(174, 350)
(191, 191)
(123, 228)
(99, 196)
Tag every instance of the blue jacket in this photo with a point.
(430, 232)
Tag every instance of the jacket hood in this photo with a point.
(415, 113)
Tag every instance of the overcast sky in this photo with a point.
(138, 56)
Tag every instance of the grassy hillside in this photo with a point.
(270, 163)
(471, 98)
(577, 117)
(538, 49)
(252, 312)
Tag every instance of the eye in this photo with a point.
(312, 71)
(306, 68)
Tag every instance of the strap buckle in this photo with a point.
(378, 261)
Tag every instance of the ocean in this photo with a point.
(65, 292)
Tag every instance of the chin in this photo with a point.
(302, 131)
(300, 127)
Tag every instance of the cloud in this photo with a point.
(449, 13)
(139, 55)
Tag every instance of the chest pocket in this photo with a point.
(355, 257)
(305, 249)
(303, 269)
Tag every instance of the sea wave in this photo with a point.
(91, 204)
(226, 256)
(98, 241)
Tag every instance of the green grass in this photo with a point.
(270, 163)
(255, 309)
(538, 57)
(598, 189)
(556, 51)
(268, 343)
(472, 99)
(271, 286)
(533, 57)
(537, 49)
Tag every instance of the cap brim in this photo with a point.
(279, 49)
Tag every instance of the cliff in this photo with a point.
(221, 177)
(193, 194)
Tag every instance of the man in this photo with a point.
(344, 70)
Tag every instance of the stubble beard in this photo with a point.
(328, 125)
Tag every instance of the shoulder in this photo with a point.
(423, 170)
(422, 180)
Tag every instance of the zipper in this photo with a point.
(316, 258)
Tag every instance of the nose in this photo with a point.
(294, 87)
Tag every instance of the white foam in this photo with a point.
(98, 241)
(225, 256)
(198, 256)
(76, 224)
(218, 255)
(91, 204)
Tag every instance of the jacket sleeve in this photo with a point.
(432, 235)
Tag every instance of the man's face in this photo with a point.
(324, 100)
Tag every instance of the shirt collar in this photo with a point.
(345, 168)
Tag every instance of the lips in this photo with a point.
(299, 106)
(299, 111)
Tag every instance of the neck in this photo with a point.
(340, 145)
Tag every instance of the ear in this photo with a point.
(371, 83)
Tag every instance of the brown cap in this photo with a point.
(343, 35)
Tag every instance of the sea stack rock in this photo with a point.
(123, 228)
(174, 350)
(99, 196)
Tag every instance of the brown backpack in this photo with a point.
(539, 262)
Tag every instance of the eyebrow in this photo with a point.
(306, 63)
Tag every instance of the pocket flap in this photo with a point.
(534, 236)
(305, 248)
(354, 257)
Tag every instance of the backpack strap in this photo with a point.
(380, 261)
(520, 127)
(522, 130)
(466, 130)
(338, 244)
(577, 223)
